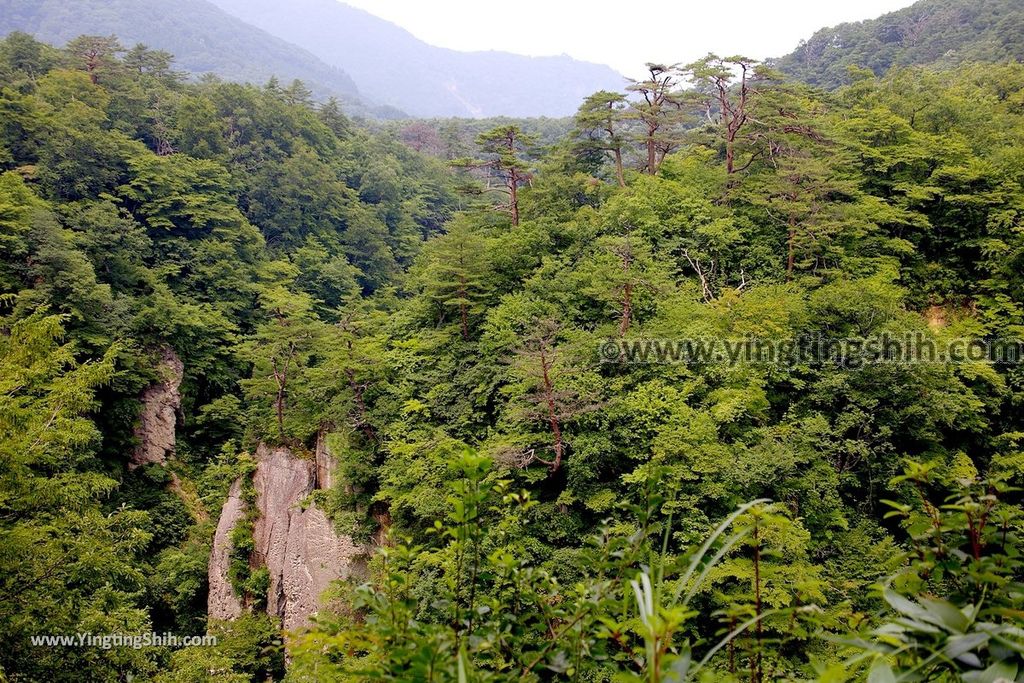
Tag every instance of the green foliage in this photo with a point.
(942, 32)
(321, 290)
(471, 605)
(67, 565)
(954, 613)
(247, 649)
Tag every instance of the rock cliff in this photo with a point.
(222, 601)
(158, 420)
(326, 463)
(293, 539)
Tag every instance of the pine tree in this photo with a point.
(297, 93)
(726, 89)
(456, 273)
(504, 151)
(96, 55)
(658, 112)
(281, 352)
(600, 124)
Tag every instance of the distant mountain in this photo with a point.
(941, 32)
(202, 37)
(391, 66)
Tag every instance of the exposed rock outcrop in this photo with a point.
(300, 548)
(298, 545)
(326, 463)
(314, 557)
(159, 418)
(222, 601)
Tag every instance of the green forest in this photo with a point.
(941, 33)
(231, 309)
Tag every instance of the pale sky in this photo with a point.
(624, 33)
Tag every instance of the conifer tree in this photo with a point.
(726, 89)
(600, 128)
(658, 112)
(504, 154)
(456, 272)
(96, 55)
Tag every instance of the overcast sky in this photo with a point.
(624, 33)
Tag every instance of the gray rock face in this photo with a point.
(314, 556)
(326, 463)
(282, 482)
(160, 405)
(222, 602)
(299, 547)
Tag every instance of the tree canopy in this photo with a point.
(460, 320)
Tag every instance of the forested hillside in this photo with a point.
(375, 68)
(250, 349)
(130, 204)
(203, 38)
(942, 33)
(395, 68)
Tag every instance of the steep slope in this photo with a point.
(161, 403)
(392, 66)
(943, 32)
(202, 37)
(292, 538)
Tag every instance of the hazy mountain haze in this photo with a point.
(623, 36)
(393, 67)
(202, 37)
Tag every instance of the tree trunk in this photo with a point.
(357, 392)
(281, 377)
(92, 62)
(513, 193)
(652, 158)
